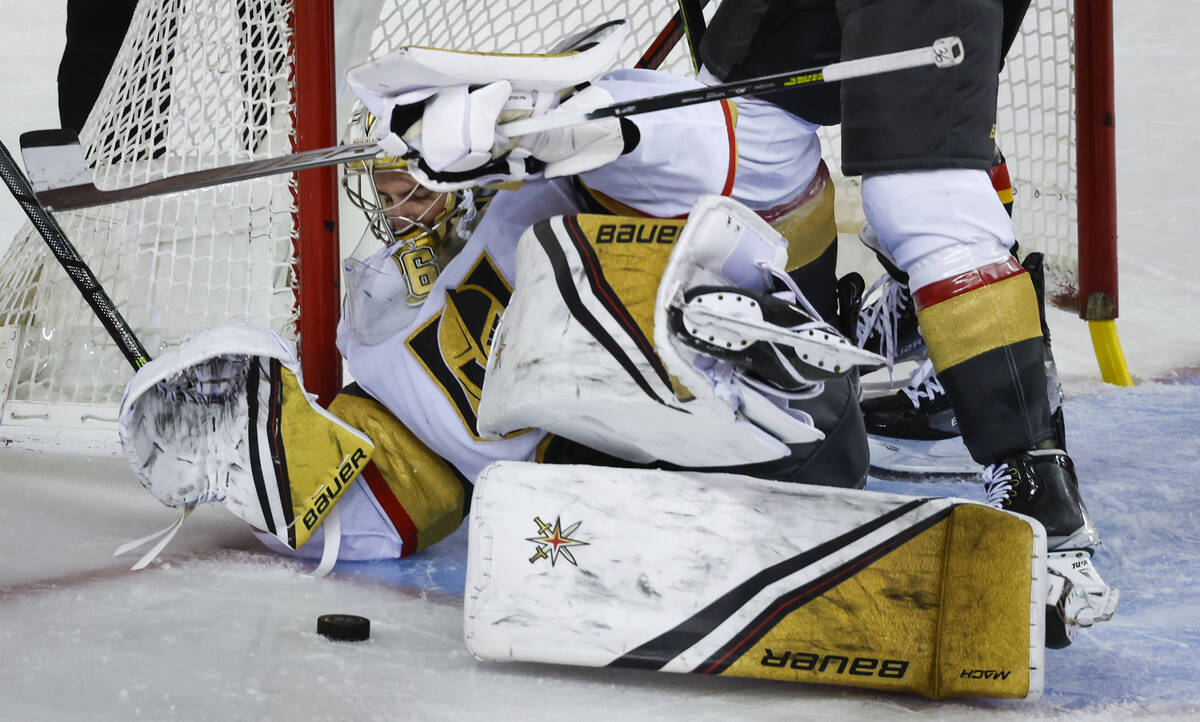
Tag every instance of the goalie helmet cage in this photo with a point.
(203, 83)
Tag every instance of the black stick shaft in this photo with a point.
(692, 14)
(71, 261)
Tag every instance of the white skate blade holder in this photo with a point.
(948, 458)
(734, 321)
(1076, 589)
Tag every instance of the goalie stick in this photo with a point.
(72, 262)
(61, 180)
(120, 331)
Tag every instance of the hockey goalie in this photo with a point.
(620, 325)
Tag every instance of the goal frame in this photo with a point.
(317, 242)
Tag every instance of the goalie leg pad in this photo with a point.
(616, 567)
(225, 418)
(574, 353)
(423, 496)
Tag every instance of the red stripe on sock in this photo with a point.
(948, 288)
(395, 511)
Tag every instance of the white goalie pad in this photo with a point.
(566, 359)
(411, 74)
(225, 418)
(722, 574)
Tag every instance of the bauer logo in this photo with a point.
(637, 233)
(553, 542)
(837, 664)
(325, 496)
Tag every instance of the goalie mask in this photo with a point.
(415, 223)
(411, 235)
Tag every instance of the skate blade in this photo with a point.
(908, 459)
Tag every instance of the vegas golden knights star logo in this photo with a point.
(454, 344)
(553, 541)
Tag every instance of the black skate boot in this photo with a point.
(776, 341)
(920, 411)
(1041, 483)
(911, 430)
(914, 432)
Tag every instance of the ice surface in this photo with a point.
(219, 629)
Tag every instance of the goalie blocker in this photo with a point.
(635, 568)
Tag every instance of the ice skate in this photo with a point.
(1041, 483)
(914, 432)
(887, 319)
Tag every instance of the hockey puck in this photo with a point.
(344, 627)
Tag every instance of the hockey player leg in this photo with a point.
(984, 331)
(224, 418)
(914, 431)
(616, 567)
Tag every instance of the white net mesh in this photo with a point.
(197, 84)
(203, 83)
(1035, 124)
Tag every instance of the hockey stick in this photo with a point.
(943, 53)
(692, 12)
(62, 181)
(666, 41)
(72, 262)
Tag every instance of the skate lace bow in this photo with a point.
(923, 384)
(998, 481)
(882, 316)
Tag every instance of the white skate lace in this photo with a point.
(882, 315)
(923, 384)
(797, 297)
(997, 483)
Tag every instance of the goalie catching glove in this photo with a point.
(443, 108)
(225, 418)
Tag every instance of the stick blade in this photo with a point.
(54, 159)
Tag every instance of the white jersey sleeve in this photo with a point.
(750, 150)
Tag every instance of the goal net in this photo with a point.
(204, 83)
